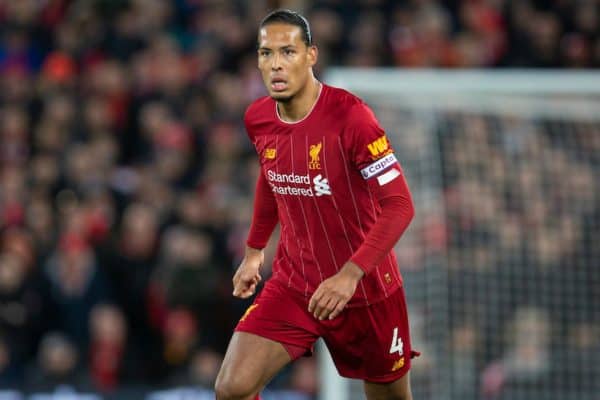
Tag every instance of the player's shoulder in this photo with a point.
(259, 108)
(258, 113)
(343, 98)
(347, 104)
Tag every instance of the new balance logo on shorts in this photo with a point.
(398, 364)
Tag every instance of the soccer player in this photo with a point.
(329, 176)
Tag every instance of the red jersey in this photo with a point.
(320, 174)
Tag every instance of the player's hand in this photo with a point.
(332, 295)
(247, 276)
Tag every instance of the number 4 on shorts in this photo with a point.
(397, 345)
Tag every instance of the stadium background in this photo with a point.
(126, 190)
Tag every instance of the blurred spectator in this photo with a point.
(582, 351)
(180, 337)
(201, 371)
(21, 303)
(109, 355)
(11, 373)
(304, 376)
(75, 285)
(189, 276)
(527, 361)
(129, 260)
(14, 134)
(464, 361)
(57, 364)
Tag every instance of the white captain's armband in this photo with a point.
(379, 166)
(388, 176)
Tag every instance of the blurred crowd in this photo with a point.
(126, 178)
(522, 212)
(501, 264)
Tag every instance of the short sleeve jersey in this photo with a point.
(319, 169)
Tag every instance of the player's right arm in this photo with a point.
(247, 276)
(264, 220)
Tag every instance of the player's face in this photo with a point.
(284, 60)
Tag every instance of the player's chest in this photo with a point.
(313, 153)
(302, 165)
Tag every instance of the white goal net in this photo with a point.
(501, 263)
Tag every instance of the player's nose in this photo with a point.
(276, 62)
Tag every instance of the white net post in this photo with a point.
(501, 268)
(333, 386)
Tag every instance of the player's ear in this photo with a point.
(312, 53)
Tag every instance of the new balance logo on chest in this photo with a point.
(270, 154)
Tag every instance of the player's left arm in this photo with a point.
(371, 153)
(397, 211)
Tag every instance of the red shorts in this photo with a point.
(370, 343)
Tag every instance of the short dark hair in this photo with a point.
(292, 18)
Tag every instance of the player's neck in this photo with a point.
(302, 103)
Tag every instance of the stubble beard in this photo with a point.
(284, 99)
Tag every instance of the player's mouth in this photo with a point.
(278, 84)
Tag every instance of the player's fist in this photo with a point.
(247, 276)
(332, 295)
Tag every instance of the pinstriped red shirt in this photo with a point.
(317, 182)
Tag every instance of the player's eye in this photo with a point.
(289, 52)
(264, 53)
